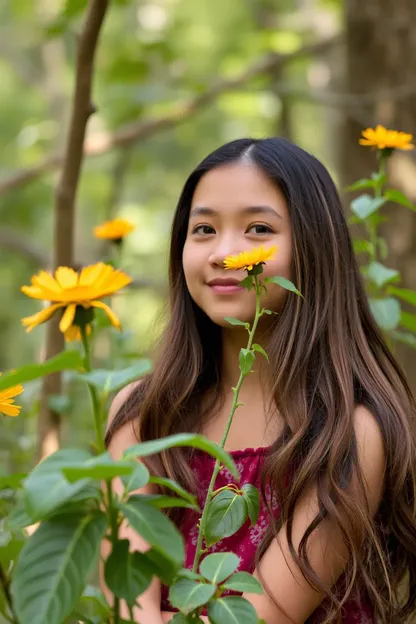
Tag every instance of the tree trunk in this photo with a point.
(381, 71)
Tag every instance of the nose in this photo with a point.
(223, 249)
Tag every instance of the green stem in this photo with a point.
(5, 584)
(378, 192)
(110, 508)
(202, 522)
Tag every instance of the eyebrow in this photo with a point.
(250, 210)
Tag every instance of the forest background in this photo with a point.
(172, 80)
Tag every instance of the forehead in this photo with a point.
(237, 185)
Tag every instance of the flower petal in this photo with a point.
(66, 277)
(113, 317)
(90, 274)
(46, 281)
(67, 318)
(9, 393)
(30, 322)
(10, 410)
(74, 333)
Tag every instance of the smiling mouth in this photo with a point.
(226, 289)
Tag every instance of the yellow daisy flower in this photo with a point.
(381, 138)
(247, 259)
(7, 406)
(72, 291)
(114, 230)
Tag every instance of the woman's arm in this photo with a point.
(326, 549)
(150, 599)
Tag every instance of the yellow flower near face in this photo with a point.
(114, 230)
(7, 406)
(381, 138)
(248, 259)
(74, 292)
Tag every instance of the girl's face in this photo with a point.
(235, 207)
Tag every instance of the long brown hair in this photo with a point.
(326, 355)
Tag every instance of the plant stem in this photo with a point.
(216, 470)
(5, 583)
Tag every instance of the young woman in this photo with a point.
(327, 429)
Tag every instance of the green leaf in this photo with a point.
(60, 403)
(247, 282)
(399, 198)
(183, 439)
(243, 582)
(235, 321)
(155, 528)
(386, 312)
(361, 184)
(246, 360)
(161, 501)
(100, 467)
(231, 610)
(109, 381)
(187, 595)
(189, 574)
(67, 360)
(12, 480)
(404, 337)
(226, 513)
(180, 618)
(127, 574)
(403, 293)
(264, 311)
(46, 489)
(163, 567)
(137, 479)
(364, 205)
(408, 321)
(10, 547)
(284, 283)
(260, 349)
(93, 603)
(219, 566)
(175, 487)
(252, 498)
(380, 274)
(363, 246)
(53, 568)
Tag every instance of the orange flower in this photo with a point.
(247, 259)
(114, 230)
(381, 138)
(7, 406)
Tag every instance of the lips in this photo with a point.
(225, 286)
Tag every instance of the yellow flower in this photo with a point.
(247, 259)
(7, 399)
(74, 333)
(114, 230)
(381, 138)
(75, 292)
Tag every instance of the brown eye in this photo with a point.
(206, 229)
(261, 228)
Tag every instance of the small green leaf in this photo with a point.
(226, 513)
(189, 574)
(161, 501)
(67, 360)
(264, 311)
(386, 312)
(232, 610)
(406, 294)
(247, 282)
(99, 467)
(175, 487)
(219, 566)
(127, 574)
(361, 184)
(408, 321)
(187, 595)
(284, 283)
(380, 274)
(60, 403)
(12, 480)
(252, 498)
(246, 359)
(363, 246)
(260, 349)
(243, 582)
(180, 618)
(183, 439)
(364, 205)
(404, 337)
(399, 198)
(137, 479)
(93, 604)
(111, 381)
(235, 321)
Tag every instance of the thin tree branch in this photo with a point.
(101, 143)
(64, 209)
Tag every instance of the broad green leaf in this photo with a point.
(110, 380)
(226, 513)
(189, 574)
(155, 528)
(364, 183)
(67, 360)
(164, 568)
(175, 487)
(260, 349)
(399, 198)
(187, 595)
(380, 274)
(100, 467)
(127, 574)
(246, 360)
(284, 283)
(232, 610)
(235, 321)
(183, 439)
(386, 312)
(10, 547)
(408, 321)
(53, 568)
(46, 489)
(403, 293)
(18, 518)
(93, 603)
(161, 501)
(243, 582)
(137, 479)
(364, 205)
(219, 566)
(252, 498)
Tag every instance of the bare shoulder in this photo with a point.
(371, 452)
(126, 435)
(120, 398)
